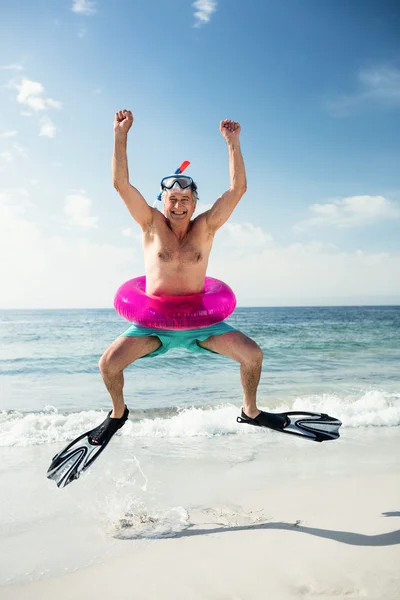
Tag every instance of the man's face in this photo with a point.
(179, 206)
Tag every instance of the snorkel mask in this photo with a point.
(178, 183)
(175, 176)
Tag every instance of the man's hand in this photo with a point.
(123, 122)
(230, 130)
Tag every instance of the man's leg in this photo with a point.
(245, 351)
(123, 352)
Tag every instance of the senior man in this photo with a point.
(176, 250)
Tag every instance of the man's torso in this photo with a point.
(176, 267)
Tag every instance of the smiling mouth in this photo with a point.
(179, 213)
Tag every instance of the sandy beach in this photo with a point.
(322, 524)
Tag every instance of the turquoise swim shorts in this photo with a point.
(177, 338)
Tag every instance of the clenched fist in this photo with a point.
(123, 122)
(230, 130)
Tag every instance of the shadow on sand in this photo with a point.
(344, 537)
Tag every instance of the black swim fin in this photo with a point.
(313, 426)
(78, 455)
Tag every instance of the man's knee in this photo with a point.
(253, 354)
(124, 351)
(105, 361)
(109, 363)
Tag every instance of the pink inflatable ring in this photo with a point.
(174, 312)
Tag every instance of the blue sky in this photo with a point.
(315, 86)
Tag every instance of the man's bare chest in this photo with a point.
(167, 249)
(164, 246)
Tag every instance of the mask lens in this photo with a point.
(176, 188)
(183, 182)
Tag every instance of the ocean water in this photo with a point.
(181, 447)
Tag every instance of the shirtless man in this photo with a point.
(176, 250)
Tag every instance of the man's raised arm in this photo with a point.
(136, 204)
(223, 207)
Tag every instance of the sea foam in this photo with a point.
(372, 409)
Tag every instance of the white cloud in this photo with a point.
(47, 128)
(14, 202)
(202, 207)
(32, 94)
(377, 85)
(8, 134)
(77, 209)
(84, 7)
(203, 11)
(53, 103)
(12, 67)
(354, 211)
(20, 150)
(39, 270)
(135, 234)
(16, 151)
(312, 273)
(72, 271)
(127, 232)
(244, 235)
